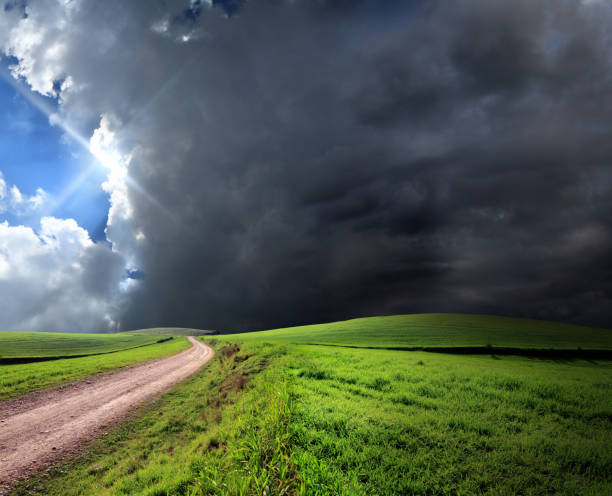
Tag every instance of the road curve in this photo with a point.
(39, 428)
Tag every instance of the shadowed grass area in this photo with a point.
(440, 330)
(52, 344)
(16, 379)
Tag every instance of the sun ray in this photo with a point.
(109, 158)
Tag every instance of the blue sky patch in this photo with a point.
(34, 154)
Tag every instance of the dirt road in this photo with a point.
(39, 428)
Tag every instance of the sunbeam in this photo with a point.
(103, 153)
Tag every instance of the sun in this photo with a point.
(111, 160)
(103, 146)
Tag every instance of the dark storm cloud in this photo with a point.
(334, 164)
(313, 161)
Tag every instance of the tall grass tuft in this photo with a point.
(257, 458)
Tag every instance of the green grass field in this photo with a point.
(16, 379)
(441, 330)
(273, 417)
(52, 344)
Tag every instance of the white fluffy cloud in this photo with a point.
(57, 278)
(34, 40)
(104, 145)
(13, 201)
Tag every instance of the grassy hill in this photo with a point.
(176, 331)
(275, 414)
(46, 344)
(440, 330)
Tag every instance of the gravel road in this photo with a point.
(40, 428)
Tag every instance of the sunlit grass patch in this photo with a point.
(457, 424)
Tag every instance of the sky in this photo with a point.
(250, 164)
(34, 153)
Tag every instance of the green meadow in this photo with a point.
(442, 330)
(276, 417)
(54, 344)
(178, 331)
(20, 378)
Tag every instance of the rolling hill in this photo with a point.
(32, 345)
(422, 331)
